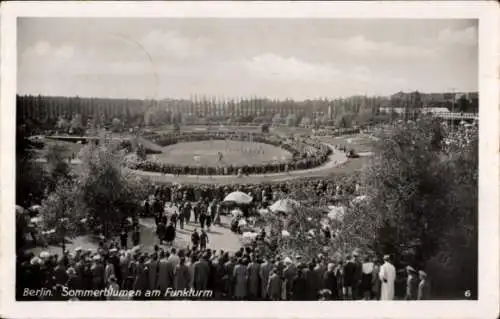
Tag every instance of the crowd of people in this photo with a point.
(306, 154)
(252, 273)
(246, 274)
(319, 191)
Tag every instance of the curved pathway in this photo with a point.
(336, 158)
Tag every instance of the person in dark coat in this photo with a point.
(181, 273)
(253, 278)
(61, 277)
(299, 284)
(202, 219)
(162, 282)
(146, 211)
(349, 277)
(196, 211)
(203, 240)
(201, 273)
(115, 261)
(123, 238)
(170, 234)
(274, 285)
(152, 270)
(132, 266)
(230, 282)
(358, 274)
(264, 273)
(141, 279)
(195, 239)
(173, 219)
(312, 282)
(219, 275)
(161, 232)
(80, 273)
(97, 270)
(289, 273)
(240, 273)
(136, 236)
(330, 281)
(72, 282)
(186, 212)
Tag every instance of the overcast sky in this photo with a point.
(276, 58)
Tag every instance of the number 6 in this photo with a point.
(467, 293)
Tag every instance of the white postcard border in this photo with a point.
(486, 306)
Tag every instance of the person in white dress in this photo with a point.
(387, 276)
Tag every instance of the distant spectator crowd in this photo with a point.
(306, 154)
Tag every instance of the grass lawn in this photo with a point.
(234, 152)
(360, 143)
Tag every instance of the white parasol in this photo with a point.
(336, 212)
(284, 205)
(250, 235)
(238, 197)
(359, 199)
(285, 233)
(242, 222)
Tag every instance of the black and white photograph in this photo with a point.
(259, 159)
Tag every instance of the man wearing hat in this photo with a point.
(289, 274)
(97, 270)
(273, 285)
(387, 277)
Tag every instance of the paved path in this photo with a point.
(219, 238)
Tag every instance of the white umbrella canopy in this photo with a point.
(238, 197)
(284, 205)
(359, 199)
(336, 212)
(242, 222)
(250, 235)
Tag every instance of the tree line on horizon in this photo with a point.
(48, 111)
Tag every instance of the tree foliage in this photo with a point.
(57, 166)
(106, 190)
(30, 175)
(76, 124)
(116, 125)
(62, 212)
(422, 190)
